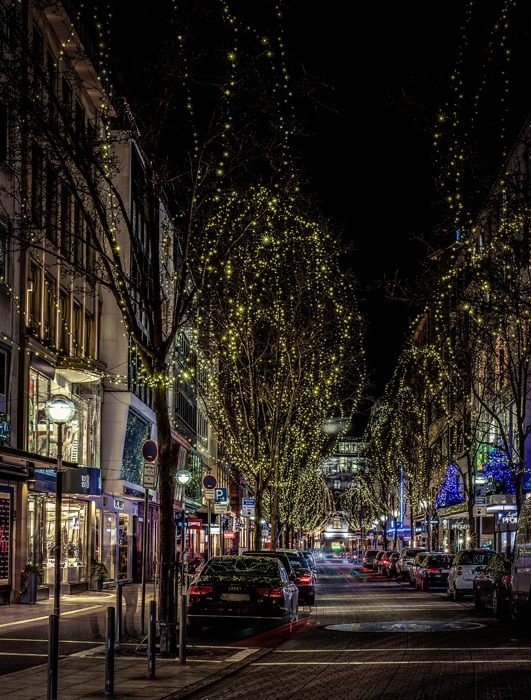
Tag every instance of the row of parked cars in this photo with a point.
(483, 573)
(256, 585)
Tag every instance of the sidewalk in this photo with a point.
(82, 675)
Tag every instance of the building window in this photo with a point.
(337, 524)
(3, 256)
(4, 379)
(50, 310)
(137, 431)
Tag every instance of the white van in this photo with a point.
(521, 565)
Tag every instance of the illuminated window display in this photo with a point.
(41, 537)
(112, 543)
(81, 436)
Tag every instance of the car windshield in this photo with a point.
(248, 568)
(474, 558)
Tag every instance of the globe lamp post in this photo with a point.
(59, 410)
(183, 477)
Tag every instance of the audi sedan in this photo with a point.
(240, 588)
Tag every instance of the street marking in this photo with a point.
(61, 641)
(16, 653)
(405, 626)
(388, 663)
(369, 651)
(46, 617)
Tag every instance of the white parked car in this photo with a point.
(463, 571)
(405, 560)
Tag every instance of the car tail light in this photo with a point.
(458, 571)
(305, 579)
(385, 561)
(432, 571)
(271, 592)
(200, 590)
(508, 578)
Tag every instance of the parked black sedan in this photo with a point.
(241, 588)
(493, 585)
(302, 577)
(432, 571)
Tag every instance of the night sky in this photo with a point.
(369, 159)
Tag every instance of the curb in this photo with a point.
(215, 677)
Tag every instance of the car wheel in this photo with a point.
(514, 612)
(478, 603)
(496, 609)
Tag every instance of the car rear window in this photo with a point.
(412, 552)
(241, 567)
(473, 558)
(370, 552)
(440, 560)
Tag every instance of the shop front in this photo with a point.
(115, 521)
(455, 533)
(79, 486)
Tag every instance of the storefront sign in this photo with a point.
(83, 481)
(119, 505)
(510, 518)
(195, 523)
(228, 534)
(458, 524)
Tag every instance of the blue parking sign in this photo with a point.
(220, 495)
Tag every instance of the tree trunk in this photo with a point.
(275, 508)
(167, 603)
(257, 539)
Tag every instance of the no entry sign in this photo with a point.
(210, 482)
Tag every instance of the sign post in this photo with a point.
(209, 482)
(149, 453)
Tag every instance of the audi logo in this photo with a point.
(234, 588)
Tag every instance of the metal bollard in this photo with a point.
(53, 657)
(119, 596)
(109, 653)
(152, 633)
(182, 629)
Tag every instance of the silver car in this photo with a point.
(407, 555)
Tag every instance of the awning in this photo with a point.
(12, 472)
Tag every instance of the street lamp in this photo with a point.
(183, 477)
(59, 410)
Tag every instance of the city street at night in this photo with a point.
(367, 637)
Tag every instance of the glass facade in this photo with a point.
(74, 537)
(137, 431)
(81, 436)
(113, 543)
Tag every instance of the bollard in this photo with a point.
(119, 596)
(109, 653)
(152, 632)
(53, 657)
(182, 630)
